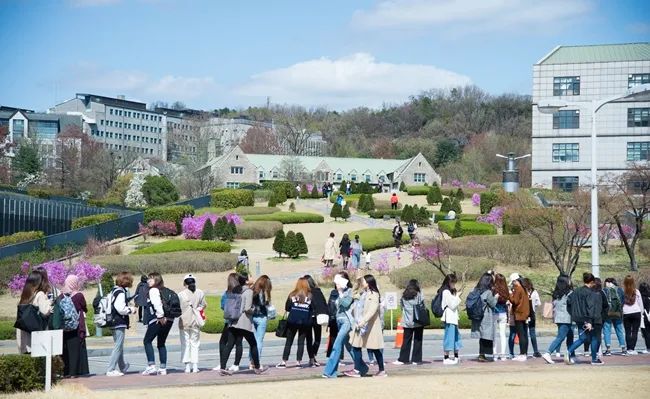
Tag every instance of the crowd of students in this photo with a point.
(354, 317)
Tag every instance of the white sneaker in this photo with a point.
(548, 358)
(162, 371)
(644, 352)
(233, 368)
(520, 358)
(558, 355)
(398, 363)
(195, 368)
(114, 373)
(188, 368)
(150, 370)
(504, 358)
(450, 362)
(218, 368)
(632, 352)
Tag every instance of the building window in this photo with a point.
(419, 177)
(18, 128)
(275, 174)
(45, 129)
(110, 111)
(638, 186)
(353, 177)
(367, 178)
(339, 177)
(565, 183)
(232, 184)
(638, 117)
(237, 170)
(638, 151)
(261, 174)
(566, 86)
(636, 79)
(566, 152)
(566, 119)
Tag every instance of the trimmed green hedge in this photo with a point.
(21, 236)
(287, 217)
(171, 262)
(241, 211)
(23, 373)
(232, 198)
(169, 213)
(489, 200)
(469, 228)
(257, 230)
(93, 219)
(440, 216)
(352, 200)
(7, 330)
(417, 190)
(184, 245)
(373, 239)
(379, 213)
(428, 276)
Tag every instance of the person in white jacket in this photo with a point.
(117, 367)
(189, 325)
(158, 326)
(632, 311)
(450, 302)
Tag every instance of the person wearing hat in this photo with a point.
(189, 325)
(521, 312)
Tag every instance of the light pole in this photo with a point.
(551, 106)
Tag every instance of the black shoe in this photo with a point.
(537, 354)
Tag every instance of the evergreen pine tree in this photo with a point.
(370, 203)
(345, 213)
(423, 217)
(207, 234)
(278, 243)
(361, 205)
(455, 206)
(336, 211)
(232, 228)
(302, 244)
(281, 195)
(446, 205)
(220, 228)
(402, 186)
(272, 200)
(460, 194)
(314, 192)
(458, 230)
(434, 196)
(304, 193)
(290, 246)
(292, 207)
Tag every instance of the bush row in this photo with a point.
(176, 262)
(170, 213)
(440, 216)
(183, 245)
(468, 228)
(352, 200)
(23, 373)
(521, 250)
(372, 239)
(417, 190)
(241, 211)
(21, 236)
(262, 195)
(232, 198)
(85, 221)
(429, 276)
(258, 230)
(287, 217)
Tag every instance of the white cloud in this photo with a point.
(470, 15)
(181, 87)
(355, 80)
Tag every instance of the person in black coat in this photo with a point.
(319, 306)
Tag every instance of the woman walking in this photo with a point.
(261, 302)
(501, 315)
(344, 250)
(485, 328)
(35, 293)
(450, 302)
(521, 311)
(644, 290)
(300, 310)
(192, 305)
(75, 355)
(319, 306)
(533, 302)
(117, 367)
(367, 332)
(632, 311)
(357, 250)
(561, 317)
(158, 326)
(330, 251)
(343, 317)
(413, 332)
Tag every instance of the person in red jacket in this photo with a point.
(394, 201)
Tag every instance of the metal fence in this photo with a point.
(199, 202)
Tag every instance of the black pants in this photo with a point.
(645, 332)
(333, 331)
(393, 206)
(249, 337)
(631, 323)
(318, 331)
(411, 335)
(223, 344)
(485, 347)
(522, 331)
(292, 329)
(75, 355)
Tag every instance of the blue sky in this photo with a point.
(334, 53)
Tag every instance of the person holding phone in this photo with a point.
(450, 302)
(586, 311)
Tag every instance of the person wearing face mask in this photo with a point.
(192, 305)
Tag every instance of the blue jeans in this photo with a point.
(116, 361)
(342, 339)
(618, 328)
(587, 336)
(356, 258)
(451, 340)
(359, 364)
(564, 331)
(259, 322)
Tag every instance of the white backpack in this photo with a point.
(104, 312)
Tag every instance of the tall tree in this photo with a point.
(27, 161)
(260, 140)
(295, 126)
(5, 147)
(292, 168)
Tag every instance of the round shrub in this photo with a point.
(158, 190)
(232, 198)
(23, 373)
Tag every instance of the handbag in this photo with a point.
(547, 311)
(281, 330)
(421, 314)
(322, 319)
(199, 317)
(29, 318)
(271, 313)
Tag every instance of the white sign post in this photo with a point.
(47, 343)
(391, 304)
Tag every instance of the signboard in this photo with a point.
(47, 344)
(391, 301)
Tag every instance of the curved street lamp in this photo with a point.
(551, 106)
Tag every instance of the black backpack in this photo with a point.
(436, 305)
(331, 304)
(171, 303)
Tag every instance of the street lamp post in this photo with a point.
(551, 106)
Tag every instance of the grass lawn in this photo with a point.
(373, 239)
(287, 217)
(184, 245)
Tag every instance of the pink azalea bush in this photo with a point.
(327, 273)
(162, 228)
(475, 185)
(495, 217)
(57, 272)
(192, 226)
(476, 199)
(383, 267)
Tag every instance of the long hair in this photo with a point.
(36, 281)
(447, 282)
(412, 290)
(485, 283)
(644, 289)
(302, 290)
(528, 285)
(372, 283)
(233, 283)
(345, 239)
(629, 287)
(263, 285)
(501, 287)
(563, 286)
(158, 281)
(311, 281)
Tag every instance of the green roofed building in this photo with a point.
(235, 168)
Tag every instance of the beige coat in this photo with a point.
(374, 337)
(331, 250)
(24, 338)
(189, 302)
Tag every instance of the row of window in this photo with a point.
(128, 137)
(127, 148)
(133, 114)
(570, 119)
(124, 125)
(571, 183)
(570, 152)
(570, 85)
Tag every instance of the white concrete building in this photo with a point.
(561, 155)
(120, 124)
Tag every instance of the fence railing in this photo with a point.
(199, 202)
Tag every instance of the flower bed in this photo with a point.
(57, 273)
(193, 226)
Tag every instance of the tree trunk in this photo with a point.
(629, 247)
